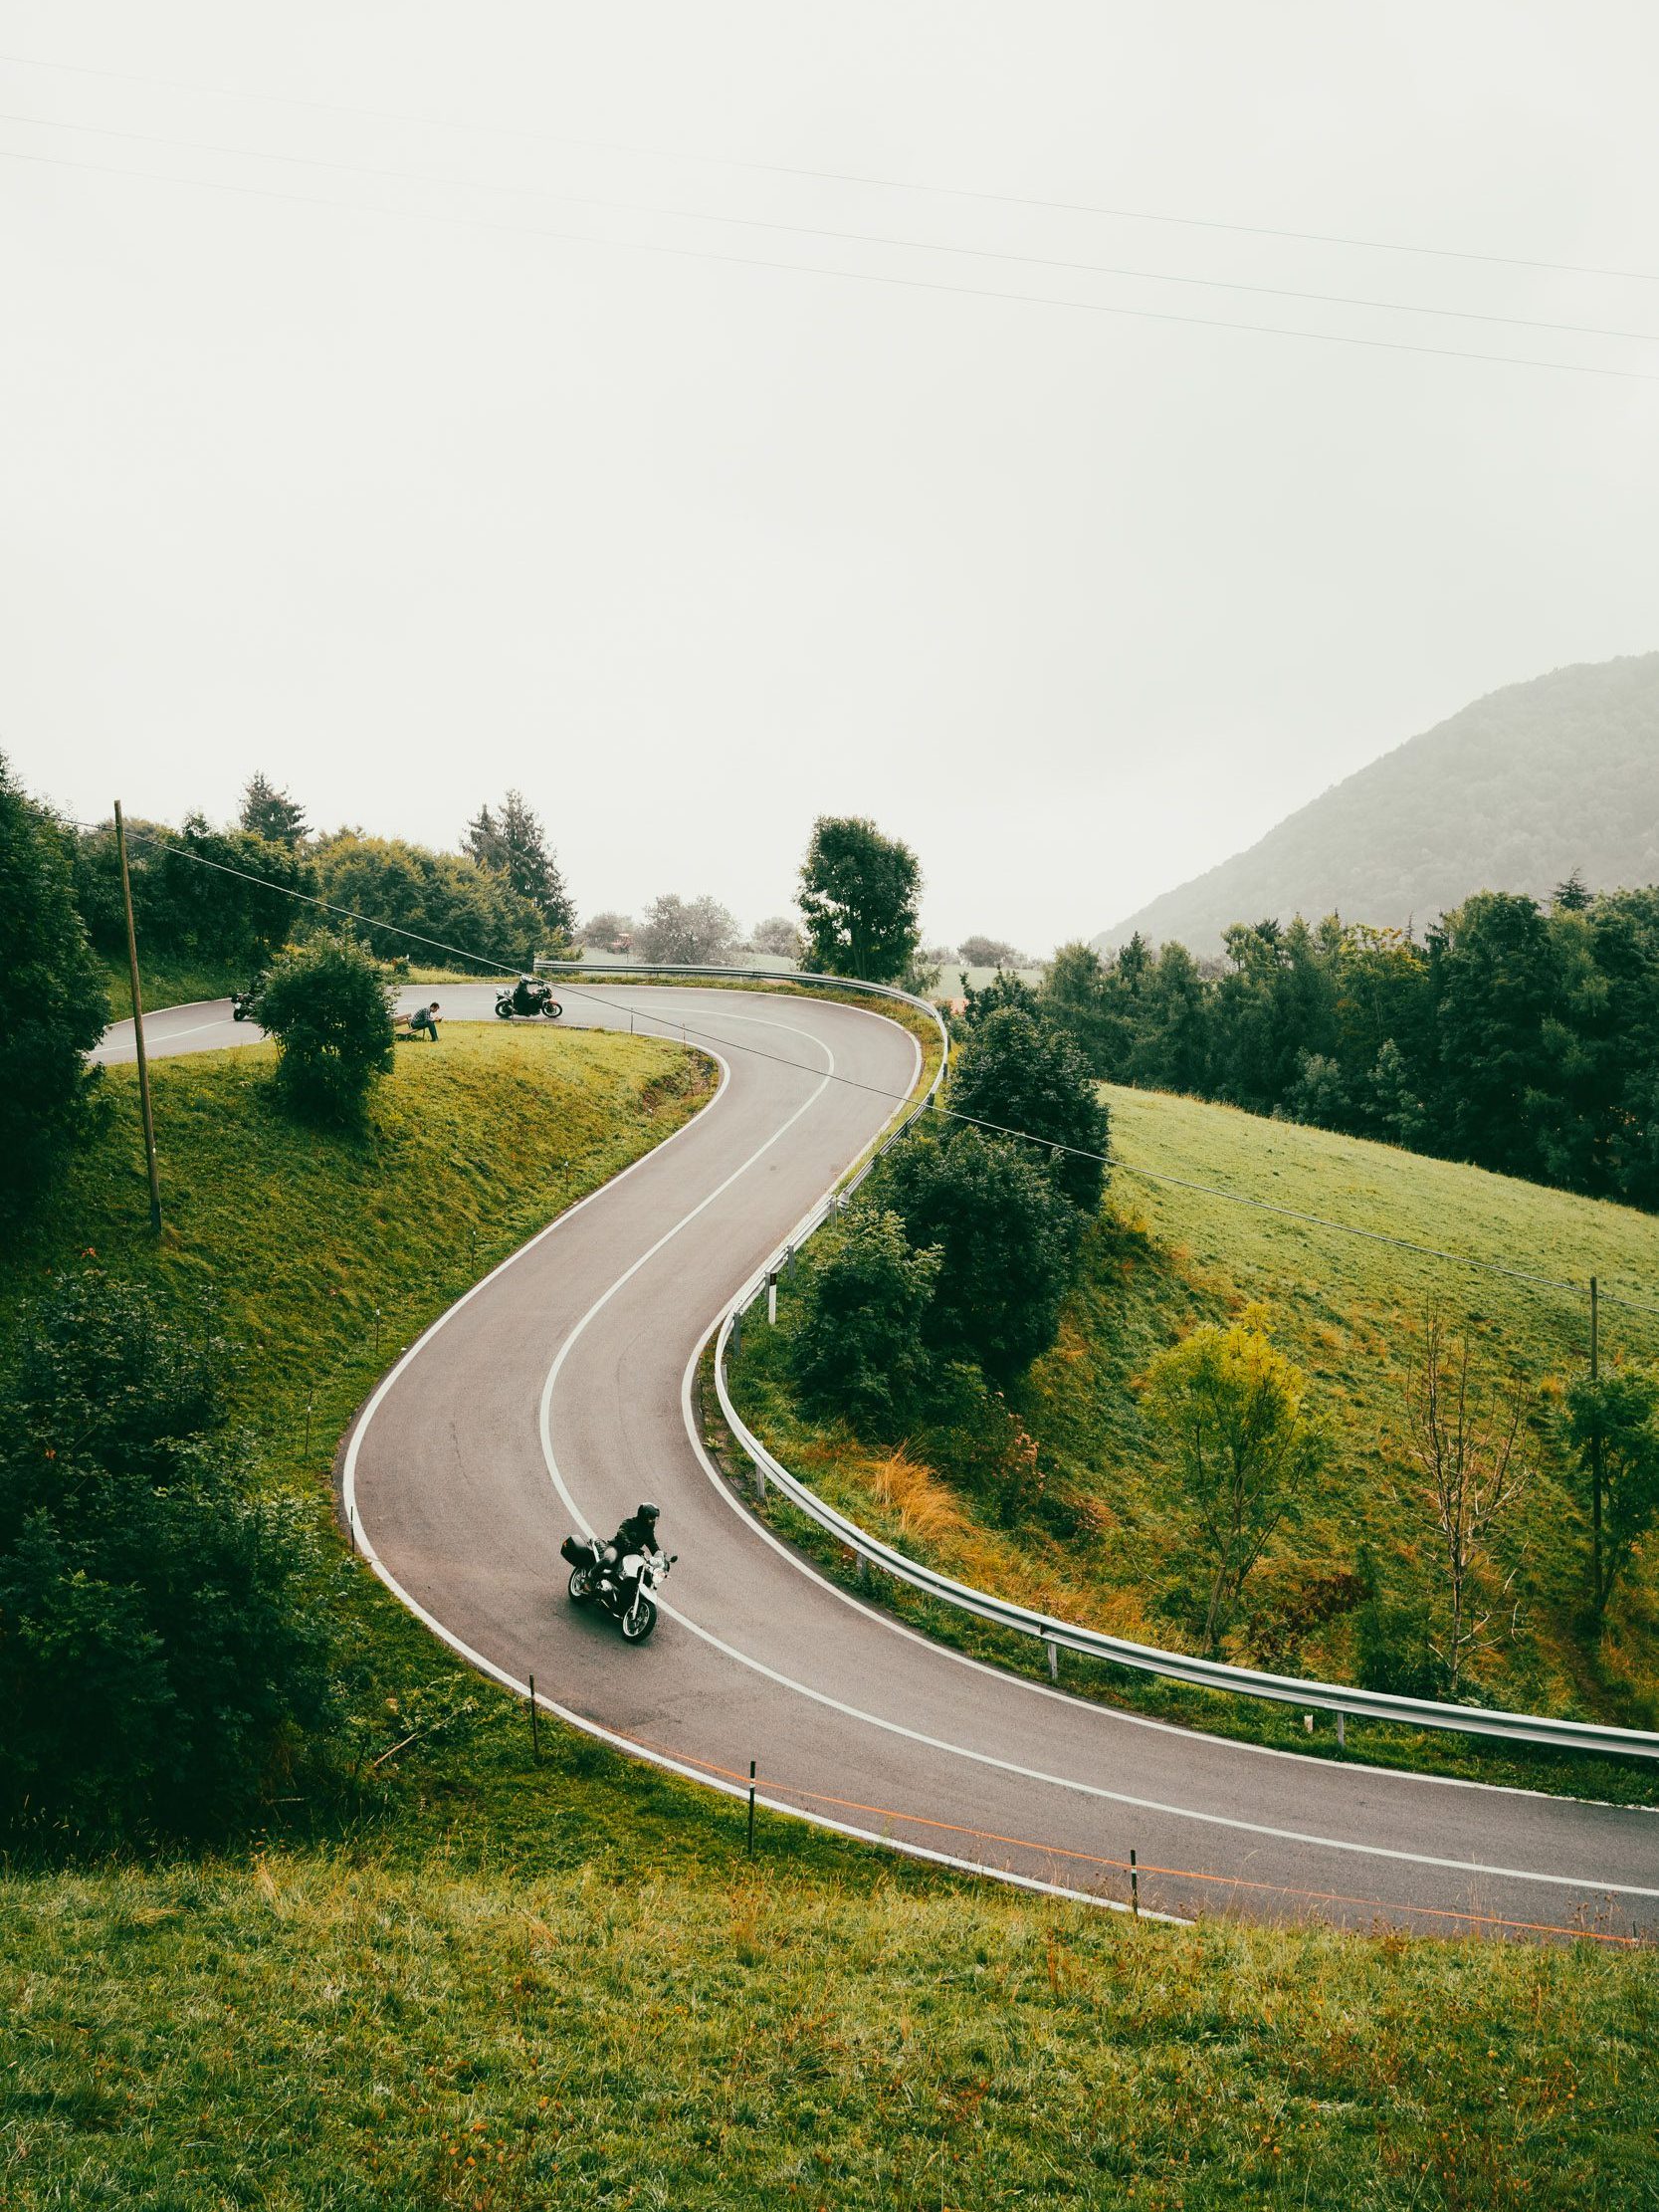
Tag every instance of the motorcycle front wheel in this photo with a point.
(581, 1585)
(552, 1010)
(639, 1621)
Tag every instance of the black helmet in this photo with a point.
(649, 1512)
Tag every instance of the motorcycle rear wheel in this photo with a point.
(504, 1007)
(581, 1585)
(639, 1621)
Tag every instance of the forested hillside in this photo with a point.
(1518, 791)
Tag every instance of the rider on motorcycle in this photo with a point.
(638, 1533)
(526, 996)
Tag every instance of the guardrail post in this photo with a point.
(1053, 1650)
(789, 1260)
(1341, 1728)
(737, 1332)
(759, 1483)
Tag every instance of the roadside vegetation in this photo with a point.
(1065, 1489)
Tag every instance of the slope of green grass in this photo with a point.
(1105, 1540)
(168, 982)
(485, 1980)
(641, 2027)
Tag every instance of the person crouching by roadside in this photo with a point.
(423, 1022)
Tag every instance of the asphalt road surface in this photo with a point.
(557, 1393)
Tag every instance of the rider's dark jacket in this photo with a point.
(637, 1533)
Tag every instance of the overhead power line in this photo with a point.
(383, 175)
(836, 176)
(878, 1090)
(887, 279)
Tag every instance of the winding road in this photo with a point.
(559, 1390)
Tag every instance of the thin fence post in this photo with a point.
(751, 1808)
(536, 1723)
(771, 1298)
(1133, 1884)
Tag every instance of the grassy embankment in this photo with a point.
(168, 982)
(499, 1983)
(1103, 1541)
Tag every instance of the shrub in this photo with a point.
(1005, 1236)
(330, 1009)
(856, 1342)
(1393, 1652)
(162, 1660)
(52, 1006)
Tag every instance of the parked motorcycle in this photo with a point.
(527, 996)
(242, 1003)
(629, 1599)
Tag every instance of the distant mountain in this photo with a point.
(1511, 795)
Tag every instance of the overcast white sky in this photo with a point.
(404, 508)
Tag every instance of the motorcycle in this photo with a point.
(628, 1598)
(527, 998)
(242, 1005)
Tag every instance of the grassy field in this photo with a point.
(481, 1980)
(1104, 1541)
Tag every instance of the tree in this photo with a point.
(1005, 1235)
(223, 897)
(330, 1009)
(272, 813)
(1232, 1409)
(1616, 1419)
(52, 1005)
(1469, 1450)
(1018, 1074)
(860, 899)
(608, 932)
(143, 1581)
(1492, 974)
(465, 913)
(779, 937)
(698, 933)
(990, 951)
(514, 844)
(856, 1338)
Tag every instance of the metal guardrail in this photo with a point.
(1341, 1698)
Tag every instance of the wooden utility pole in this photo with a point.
(1595, 1445)
(138, 1029)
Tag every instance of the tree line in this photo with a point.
(1516, 1034)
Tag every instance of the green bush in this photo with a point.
(163, 1665)
(1005, 1236)
(856, 1340)
(53, 1003)
(218, 898)
(1017, 1072)
(1393, 1652)
(330, 1009)
(465, 914)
